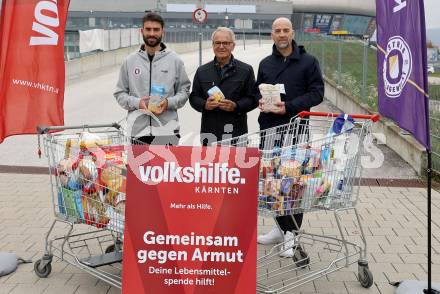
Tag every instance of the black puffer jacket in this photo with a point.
(237, 84)
(302, 79)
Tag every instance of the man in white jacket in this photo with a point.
(154, 66)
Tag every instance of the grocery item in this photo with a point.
(94, 209)
(157, 94)
(288, 154)
(297, 194)
(286, 186)
(343, 123)
(74, 181)
(112, 175)
(311, 161)
(265, 168)
(116, 214)
(69, 203)
(270, 95)
(321, 194)
(311, 186)
(216, 93)
(267, 186)
(276, 187)
(64, 170)
(88, 172)
(290, 168)
(278, 205)
(92, 183)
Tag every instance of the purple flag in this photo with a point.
(402, 65)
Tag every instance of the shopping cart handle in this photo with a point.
(46, 129)
(373, 117)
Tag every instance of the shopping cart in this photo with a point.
(87, 168)
(310, 164)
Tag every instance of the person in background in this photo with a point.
(153, 80)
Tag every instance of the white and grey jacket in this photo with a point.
(136, 77)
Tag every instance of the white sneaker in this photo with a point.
(273, 237)
(286, 250)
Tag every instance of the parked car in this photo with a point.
(430, 68)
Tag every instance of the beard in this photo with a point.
(282, 45)
(151, 43)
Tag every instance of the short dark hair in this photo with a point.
(152, 16)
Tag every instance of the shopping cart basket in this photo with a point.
(310, 164)
(87, 168)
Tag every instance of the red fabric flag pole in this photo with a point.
(31, 65)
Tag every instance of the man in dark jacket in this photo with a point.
(301, 87)
(236, 81)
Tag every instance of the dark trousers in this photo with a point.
(172, 140)
(286, 222)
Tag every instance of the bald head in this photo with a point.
(282, 21)
(282, 35)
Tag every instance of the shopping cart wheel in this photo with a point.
(42, 270)
(300, 257)
(365, 276)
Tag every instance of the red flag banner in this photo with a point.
(191, 220)
(31, 65)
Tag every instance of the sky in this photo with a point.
(432, 13)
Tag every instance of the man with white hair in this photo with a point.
(227, 113)
(301, 87)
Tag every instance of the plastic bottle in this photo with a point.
(339, 188)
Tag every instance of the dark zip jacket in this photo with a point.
(302, 79)
(237, 84)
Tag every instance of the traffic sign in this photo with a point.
(200, 15)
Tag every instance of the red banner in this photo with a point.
(191, 221)
(31, 65)
(312, 30)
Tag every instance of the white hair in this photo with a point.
(224, 29)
